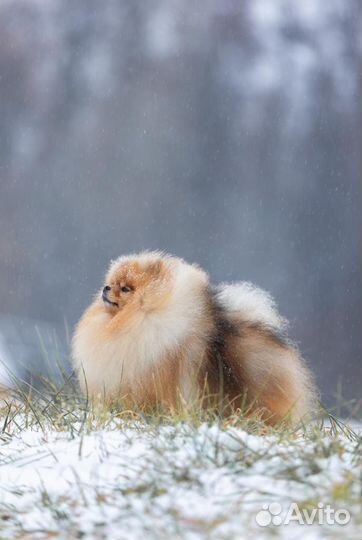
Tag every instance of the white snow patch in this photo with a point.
(138, 482)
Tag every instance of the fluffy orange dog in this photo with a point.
(158, 333)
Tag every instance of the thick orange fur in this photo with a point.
(159, 334)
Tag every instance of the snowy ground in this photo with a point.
(126, 479)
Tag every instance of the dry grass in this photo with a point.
(181, 448)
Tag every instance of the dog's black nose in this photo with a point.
(106, 289)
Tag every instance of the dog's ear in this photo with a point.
(155, 268)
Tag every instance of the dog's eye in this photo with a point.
(125, 289)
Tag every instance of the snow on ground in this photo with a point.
(134, 481)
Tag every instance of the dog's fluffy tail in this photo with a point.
(265, 361)
(252, 304)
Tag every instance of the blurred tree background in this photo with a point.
(225, 132)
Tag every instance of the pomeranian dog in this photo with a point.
(157, 333)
